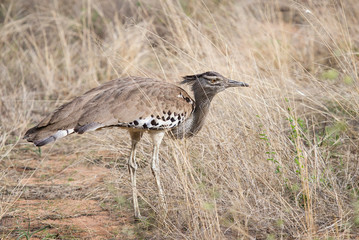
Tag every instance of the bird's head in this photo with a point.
(211, 83)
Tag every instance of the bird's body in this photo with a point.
(139, 105)
(126, 102)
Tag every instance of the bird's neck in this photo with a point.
(202, 104)
(196, 120)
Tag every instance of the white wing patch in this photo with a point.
(62, 133)
(54, 137)
(166, 121)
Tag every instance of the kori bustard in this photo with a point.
(139, 105)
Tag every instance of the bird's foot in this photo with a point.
(140, 218)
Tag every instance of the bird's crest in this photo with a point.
(191, 78)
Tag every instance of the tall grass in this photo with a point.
(276, 161)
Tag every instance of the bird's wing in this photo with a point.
(143, 104)
(128, 102)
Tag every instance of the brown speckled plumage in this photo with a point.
(115, 103)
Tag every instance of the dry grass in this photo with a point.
(276, 161)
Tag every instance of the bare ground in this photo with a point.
(66, 198)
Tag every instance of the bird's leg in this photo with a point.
(157, 138)
(132, 167)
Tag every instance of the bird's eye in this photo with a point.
(213, 80)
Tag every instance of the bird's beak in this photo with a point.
(232, 83)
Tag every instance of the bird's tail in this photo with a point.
(41, 136)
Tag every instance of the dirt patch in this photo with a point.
(48, 192)
(66, 198)
(65, 218)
